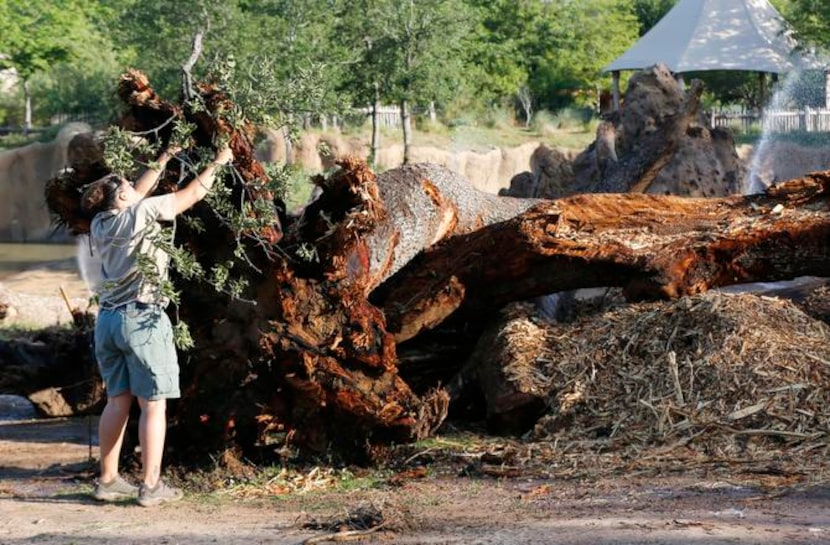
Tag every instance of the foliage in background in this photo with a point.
(296, 60)
(810, 19)
(155, 35)
(35, 35)
(576, 39)
(723, 88)
(505, 31)
(82, 90)
(649, 12)
(300, 42)
(405, 53)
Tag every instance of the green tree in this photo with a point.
(300, 42)
(36, 34)
(412, 51)
(82, 88)
(503, 52)
(548, 54)
(810, 19)
(506, 32)
(575, 40)
(649, 12)
(277, 56)
(155, 36)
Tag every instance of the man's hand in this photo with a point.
(172, 150)
(147, 182)
(223, 156)
(198, 187)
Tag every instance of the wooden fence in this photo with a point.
(60, 119)
(388, 116)
(774, 121)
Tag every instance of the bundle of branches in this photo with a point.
(199, 125)
(299, 345)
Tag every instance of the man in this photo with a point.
(133, 335)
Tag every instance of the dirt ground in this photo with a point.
(47, 470)
(34, 295)
(46, 476)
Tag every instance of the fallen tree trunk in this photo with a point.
(656, 247)
(308, 355)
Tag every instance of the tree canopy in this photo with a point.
(37, 35)
(319, 56)
(810, 19)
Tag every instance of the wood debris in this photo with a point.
(724, 374)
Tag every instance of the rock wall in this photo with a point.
(705, 163)
(24, 172)
(488, 171)
(779, 161)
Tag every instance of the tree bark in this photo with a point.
(655, 247)
(406, 124)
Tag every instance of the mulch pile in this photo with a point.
(724, 375)
(817, 303)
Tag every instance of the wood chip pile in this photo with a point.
(723, 374)
(817, 304)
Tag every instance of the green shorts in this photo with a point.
(135, 351)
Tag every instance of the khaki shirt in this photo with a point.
(120, 237)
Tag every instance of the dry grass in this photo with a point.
(482, 138)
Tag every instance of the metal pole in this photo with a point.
(762, 91)
(827, 89)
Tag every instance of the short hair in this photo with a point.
(101, 194)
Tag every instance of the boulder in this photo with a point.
(24, 172)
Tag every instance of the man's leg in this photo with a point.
(152, 428)
(111, 428)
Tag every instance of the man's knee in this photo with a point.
(152, 406)
(121, 402)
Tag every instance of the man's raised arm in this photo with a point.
(199, 186)
(146, 183)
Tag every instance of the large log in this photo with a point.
(653, 246)
(308, 354)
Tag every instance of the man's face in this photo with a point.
(127, 195)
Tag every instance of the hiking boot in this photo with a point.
(116, 490)
(162, 493)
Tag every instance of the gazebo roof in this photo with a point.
(701, 35)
